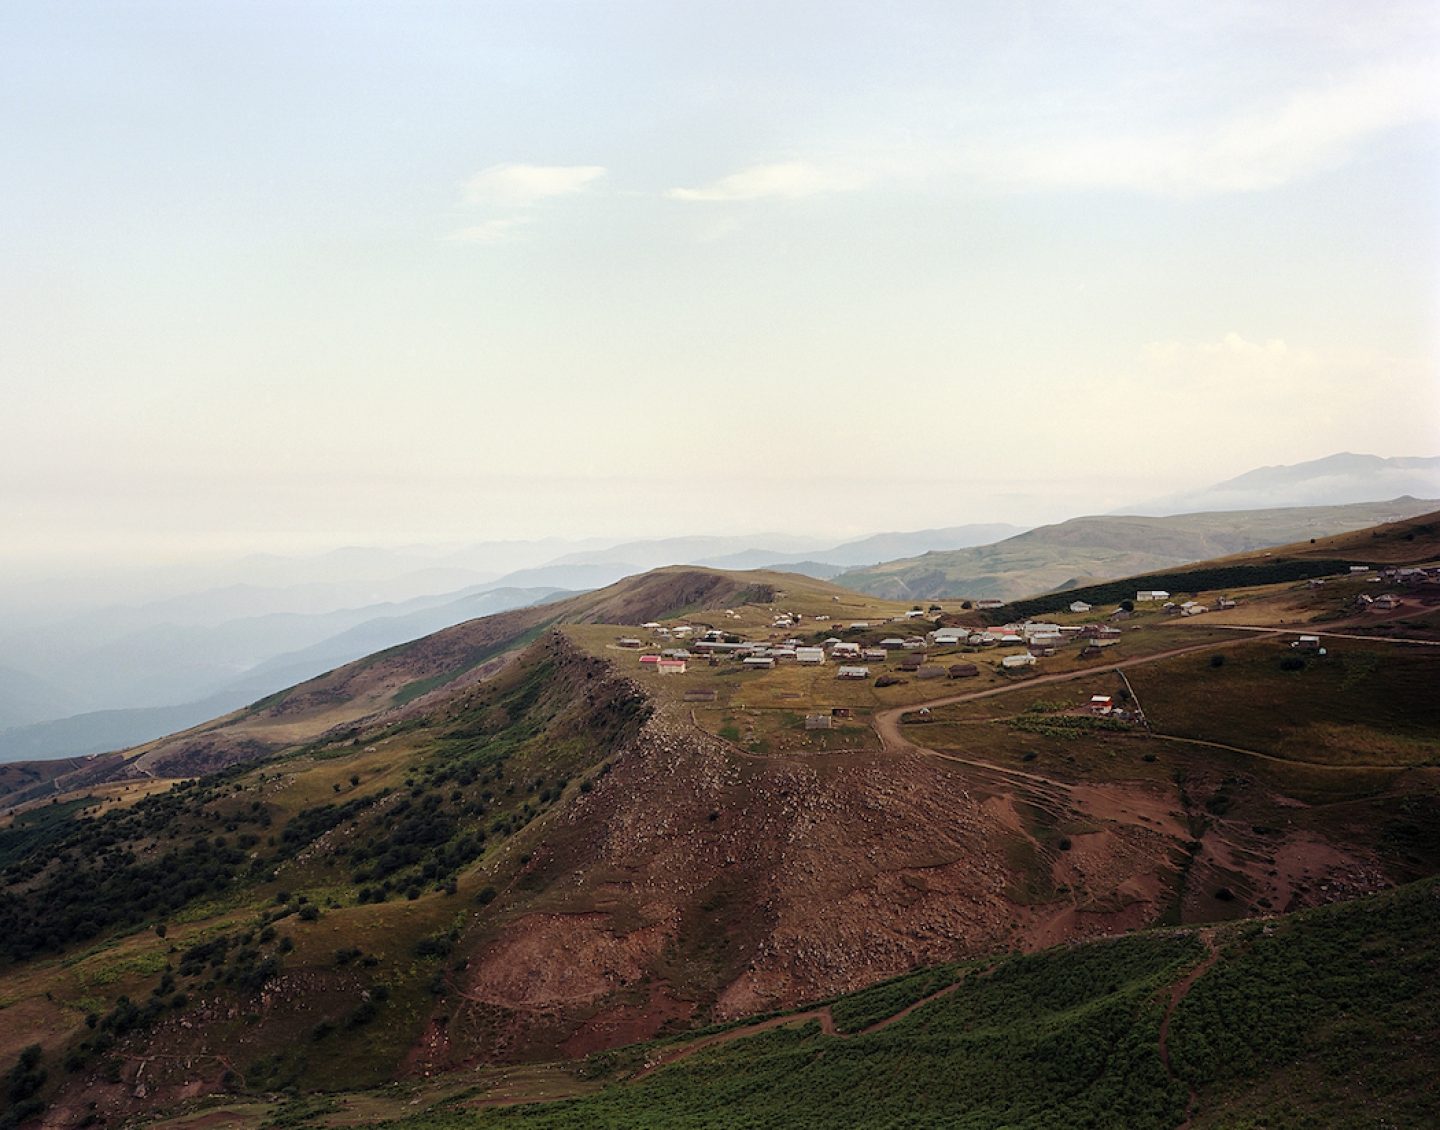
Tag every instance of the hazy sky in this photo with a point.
(288, 275)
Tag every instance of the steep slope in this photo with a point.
(446, 660)
(369, 630)
(1276, 1026)
(1085, 550)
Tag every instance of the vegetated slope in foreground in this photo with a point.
(1084, 550)
(1327, 1018)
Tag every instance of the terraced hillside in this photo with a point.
(501, 863)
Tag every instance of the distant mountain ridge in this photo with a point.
(97, 731)
(1335, 480)
(1102, 548)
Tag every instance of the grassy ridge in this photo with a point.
(1181, 581)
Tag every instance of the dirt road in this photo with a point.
(1305, 629)
(887, 722)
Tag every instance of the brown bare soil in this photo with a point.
(809, 880)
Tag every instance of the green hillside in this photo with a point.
(1328, 1018)
(1087, 550)
(510, 862)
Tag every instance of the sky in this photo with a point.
(284, 276)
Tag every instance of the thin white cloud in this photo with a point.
(1312, 130)
(1264, 385)
(519, 185)
(785, 180)
(502, 230)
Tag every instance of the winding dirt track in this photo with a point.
(1309, 631)
(822, 1014)
(887, 722)
(1178, 992)
(1255, 753)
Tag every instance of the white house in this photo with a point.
(950, 636)
(670, 667)
(762, 662)
(814, 656)
(1024, 660)
(990, 602)
(1152, 594)
(1079, 606)
(853, 673)
(1101, 704)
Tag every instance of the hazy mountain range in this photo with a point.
(1332, 481)
(88, 664)
(101, 678)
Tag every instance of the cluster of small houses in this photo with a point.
(1407, 575)
(854, 660)
(1182, 608)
